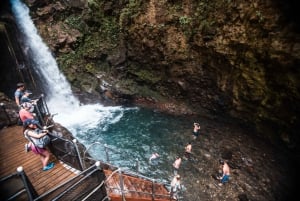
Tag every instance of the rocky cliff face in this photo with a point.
(223, 57)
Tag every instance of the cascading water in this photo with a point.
(43, 62)
(134, 132)
(58, 91)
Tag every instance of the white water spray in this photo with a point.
(59, 94)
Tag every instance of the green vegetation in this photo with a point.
(110, 29)
(147, 76)
(66, 60)
(130, 11)
(184, 20)
(131, 87)
(260, 16)
(135, 4)
(90, 68)
(76, 22)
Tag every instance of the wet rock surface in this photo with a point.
(259, 171)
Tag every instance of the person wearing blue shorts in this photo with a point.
(225, 172)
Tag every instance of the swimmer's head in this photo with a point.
(221, 162)
(178, 176)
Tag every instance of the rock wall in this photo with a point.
(226, 58)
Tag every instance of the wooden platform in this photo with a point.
(134, 188)
(13, 155)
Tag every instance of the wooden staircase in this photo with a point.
(134, 188)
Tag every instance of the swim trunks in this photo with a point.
(225, 179)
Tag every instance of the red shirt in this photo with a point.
(24, 114)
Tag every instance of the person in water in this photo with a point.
(175, 186)
(188, 150)
(196, 130)
(176, 164)
(153, 157)
(225, 172)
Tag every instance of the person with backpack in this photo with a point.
(33, 134)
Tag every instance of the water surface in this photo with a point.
(133, 134)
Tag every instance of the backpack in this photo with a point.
(38, 142)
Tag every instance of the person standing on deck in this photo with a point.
(26, 112)
(25, 98)
(30, 130)
(19, 93)
(24, 115)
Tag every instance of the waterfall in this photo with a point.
(58, 92)
(43, 62)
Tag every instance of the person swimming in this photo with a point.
(188, 150)
(176, 165)
(153, 158)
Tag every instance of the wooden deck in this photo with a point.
(13, 155)
(135, 189)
